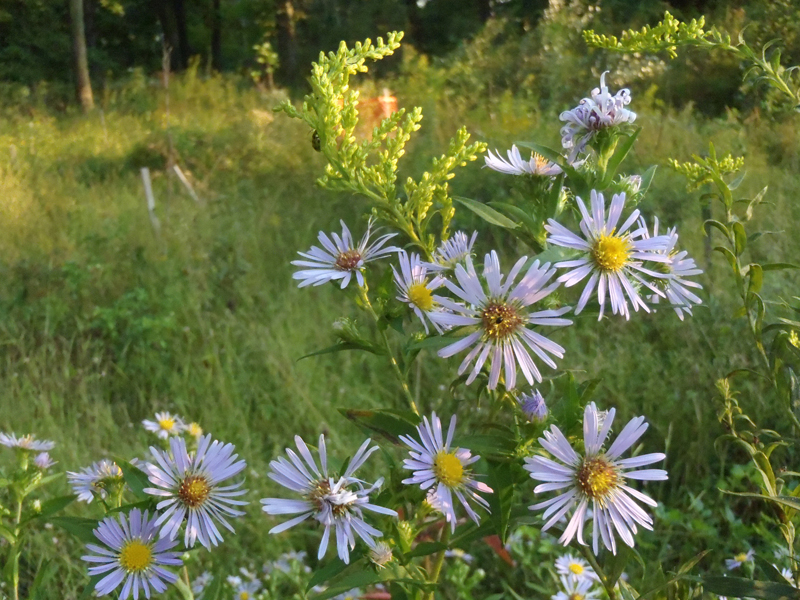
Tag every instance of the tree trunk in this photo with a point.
(83, 84)
(161, 8)
(184, 50)
(287, 42)
(216, 35)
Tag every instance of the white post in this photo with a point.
(151, 201)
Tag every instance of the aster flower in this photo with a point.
(201, 582)
(611, 257)
(194, 430)
(95, 480)
(500, 319)
(340, 258)
(452, 251)
(576, 589)
(247, 590)
(787, 575)
(415, 289)
(336, 503)
(443, 471)
(574, 569)
(594, 114)
(165, 425)
(26, 442)
(131, 554)
(43, 461)
(738, 560)
(533, 406)
(537, 165)
(598, 479)
(191, 489)
(676, 269)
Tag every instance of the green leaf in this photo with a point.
(779, 266)
(737, 587)
(487, 444)
(135, 478)
(785, 501)
(44, 574)
(647, 179)
(739, 238)
(756, 278)
(388, 423)
(327, 572)
(54, 505)
(342, 346)
(487, 213)
(501, 480)
(357, 579)
(619, 155)
(8, 535)
(81, 528)
(737, 182)
(87, 591)
(426, 549)
(713, 223)
(614, 564)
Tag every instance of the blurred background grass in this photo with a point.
(102, 322)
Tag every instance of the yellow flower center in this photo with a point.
(540, 161)
(448, 468)
(194, 490)
(166, 424)
(741, 557)
(597, 478)
(500, 320)
(348, 261)
(244, 595)
(575, 596)
(420, 296)
(195, 430)
(611, 252)
(135, 556)
(576, 568)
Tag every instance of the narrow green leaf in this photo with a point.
(327, 572)
(388, 423)
(426, 549)
(737, 182)
(7, 535)
(756, 278)
(716, 224)
(739, 238)
(785, 501)
(737, 587)
(779, 266)
(342, 346)
(81, 528)
(619, 155)
(44, 574)
(487, 213)
(647, 179)
(54, 505)
(501, 480)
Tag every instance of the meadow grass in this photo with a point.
(102, 322)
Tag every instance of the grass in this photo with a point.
(102, 322)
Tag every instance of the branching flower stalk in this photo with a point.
(369, 167)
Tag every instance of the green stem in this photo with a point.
(184, 585)
(15, 552)
(436, 571)
(609, 586)
(395, 365)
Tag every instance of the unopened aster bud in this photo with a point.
(533, 406)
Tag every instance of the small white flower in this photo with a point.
(165, 425)
(443, 471)
(353, 594)
(234, 580)
(43, 461)
(611, 257)
(340, 258)
(787, 575)
(459, 554)
(194, 430)
(676, 269)
(246, 590)
(415, 289)
(576, 589)
(452, 252)
(533, 406)
(575, 569)
(26, 442)
(597, 478)
(94, 480)
(499, 319)
(133, 555)
(594, 114)
(201, 582)
(738, 560)
(191, 489)
(537, 165)
(336, 504)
